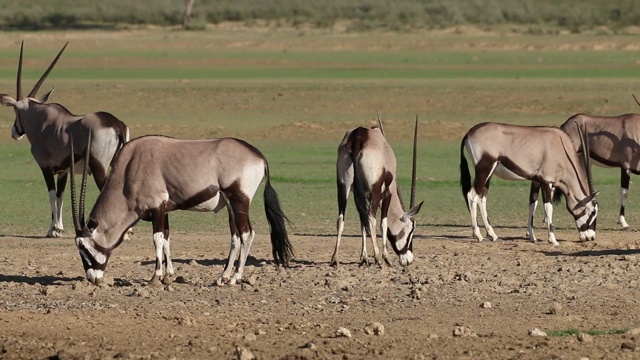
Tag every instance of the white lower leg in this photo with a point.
(233, 255)
(158, 241)
(55, 229)
(363, 253)
(247, 240)
(532, 211)
(374, 241)
(167, 255)
(383, 227)
(548, 214)
(340, 228)
(623, 201)
(472, 200)
(485, 219)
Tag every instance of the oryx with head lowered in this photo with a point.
(613, 141)
(153, 175)
(545, 155)
(367, 165)
(50, 127)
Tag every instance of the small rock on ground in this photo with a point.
(343, 332)
(374, 328)
(537, 332)
(244, 354)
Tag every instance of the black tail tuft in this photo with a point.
(465, 175)
(280, 245)
(557, 196)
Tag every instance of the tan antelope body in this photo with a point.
(154, 175)
(50, 127)
(614, 141)
(542, 154)
(367, 165)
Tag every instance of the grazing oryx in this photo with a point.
(50, 128)
(153, 175)
(614, 141)
(366, 163)
(545, 155)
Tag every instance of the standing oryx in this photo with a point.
(545, 155)
(366, 163)
(50, 128)
(153, 175)
(613, 141)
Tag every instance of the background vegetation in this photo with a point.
(535, 15)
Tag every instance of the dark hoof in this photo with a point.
(626, 228)
(333, 264)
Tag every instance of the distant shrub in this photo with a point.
(575, 15)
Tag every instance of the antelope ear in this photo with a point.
(7, 100)
(45, 97)
(413, 211)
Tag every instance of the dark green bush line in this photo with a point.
(574, 15)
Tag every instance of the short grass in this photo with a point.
(294, 95)
(593, 332)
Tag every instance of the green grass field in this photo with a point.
(293, 94)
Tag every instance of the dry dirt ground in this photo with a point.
(459, 299)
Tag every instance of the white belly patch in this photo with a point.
(212, 204)
(506, 174)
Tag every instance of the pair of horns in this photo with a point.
(412, 197)
(35, 89)
(586, 153)
(78, 217)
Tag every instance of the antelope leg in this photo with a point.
(247, 240)
(385, 253)
(624, 191)
(485, 219)
(158, 242)
(233, 255)
(472, 200)
(340, 228)
(166, 247)
(363, 254)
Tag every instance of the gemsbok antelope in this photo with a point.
(614, 141)
(153, 175)
(545, 155)
(367, 165)
(50, 127)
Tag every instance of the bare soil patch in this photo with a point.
(459, 299)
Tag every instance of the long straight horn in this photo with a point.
(46, 73)
(19, 81)
(83, 189)
(412, 199)
(74, 205)
(380, 123)
(634, 98)
(586, 153)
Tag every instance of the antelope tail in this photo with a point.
(280, 245)
(465, 175)
(360, 190)
(557, 196)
